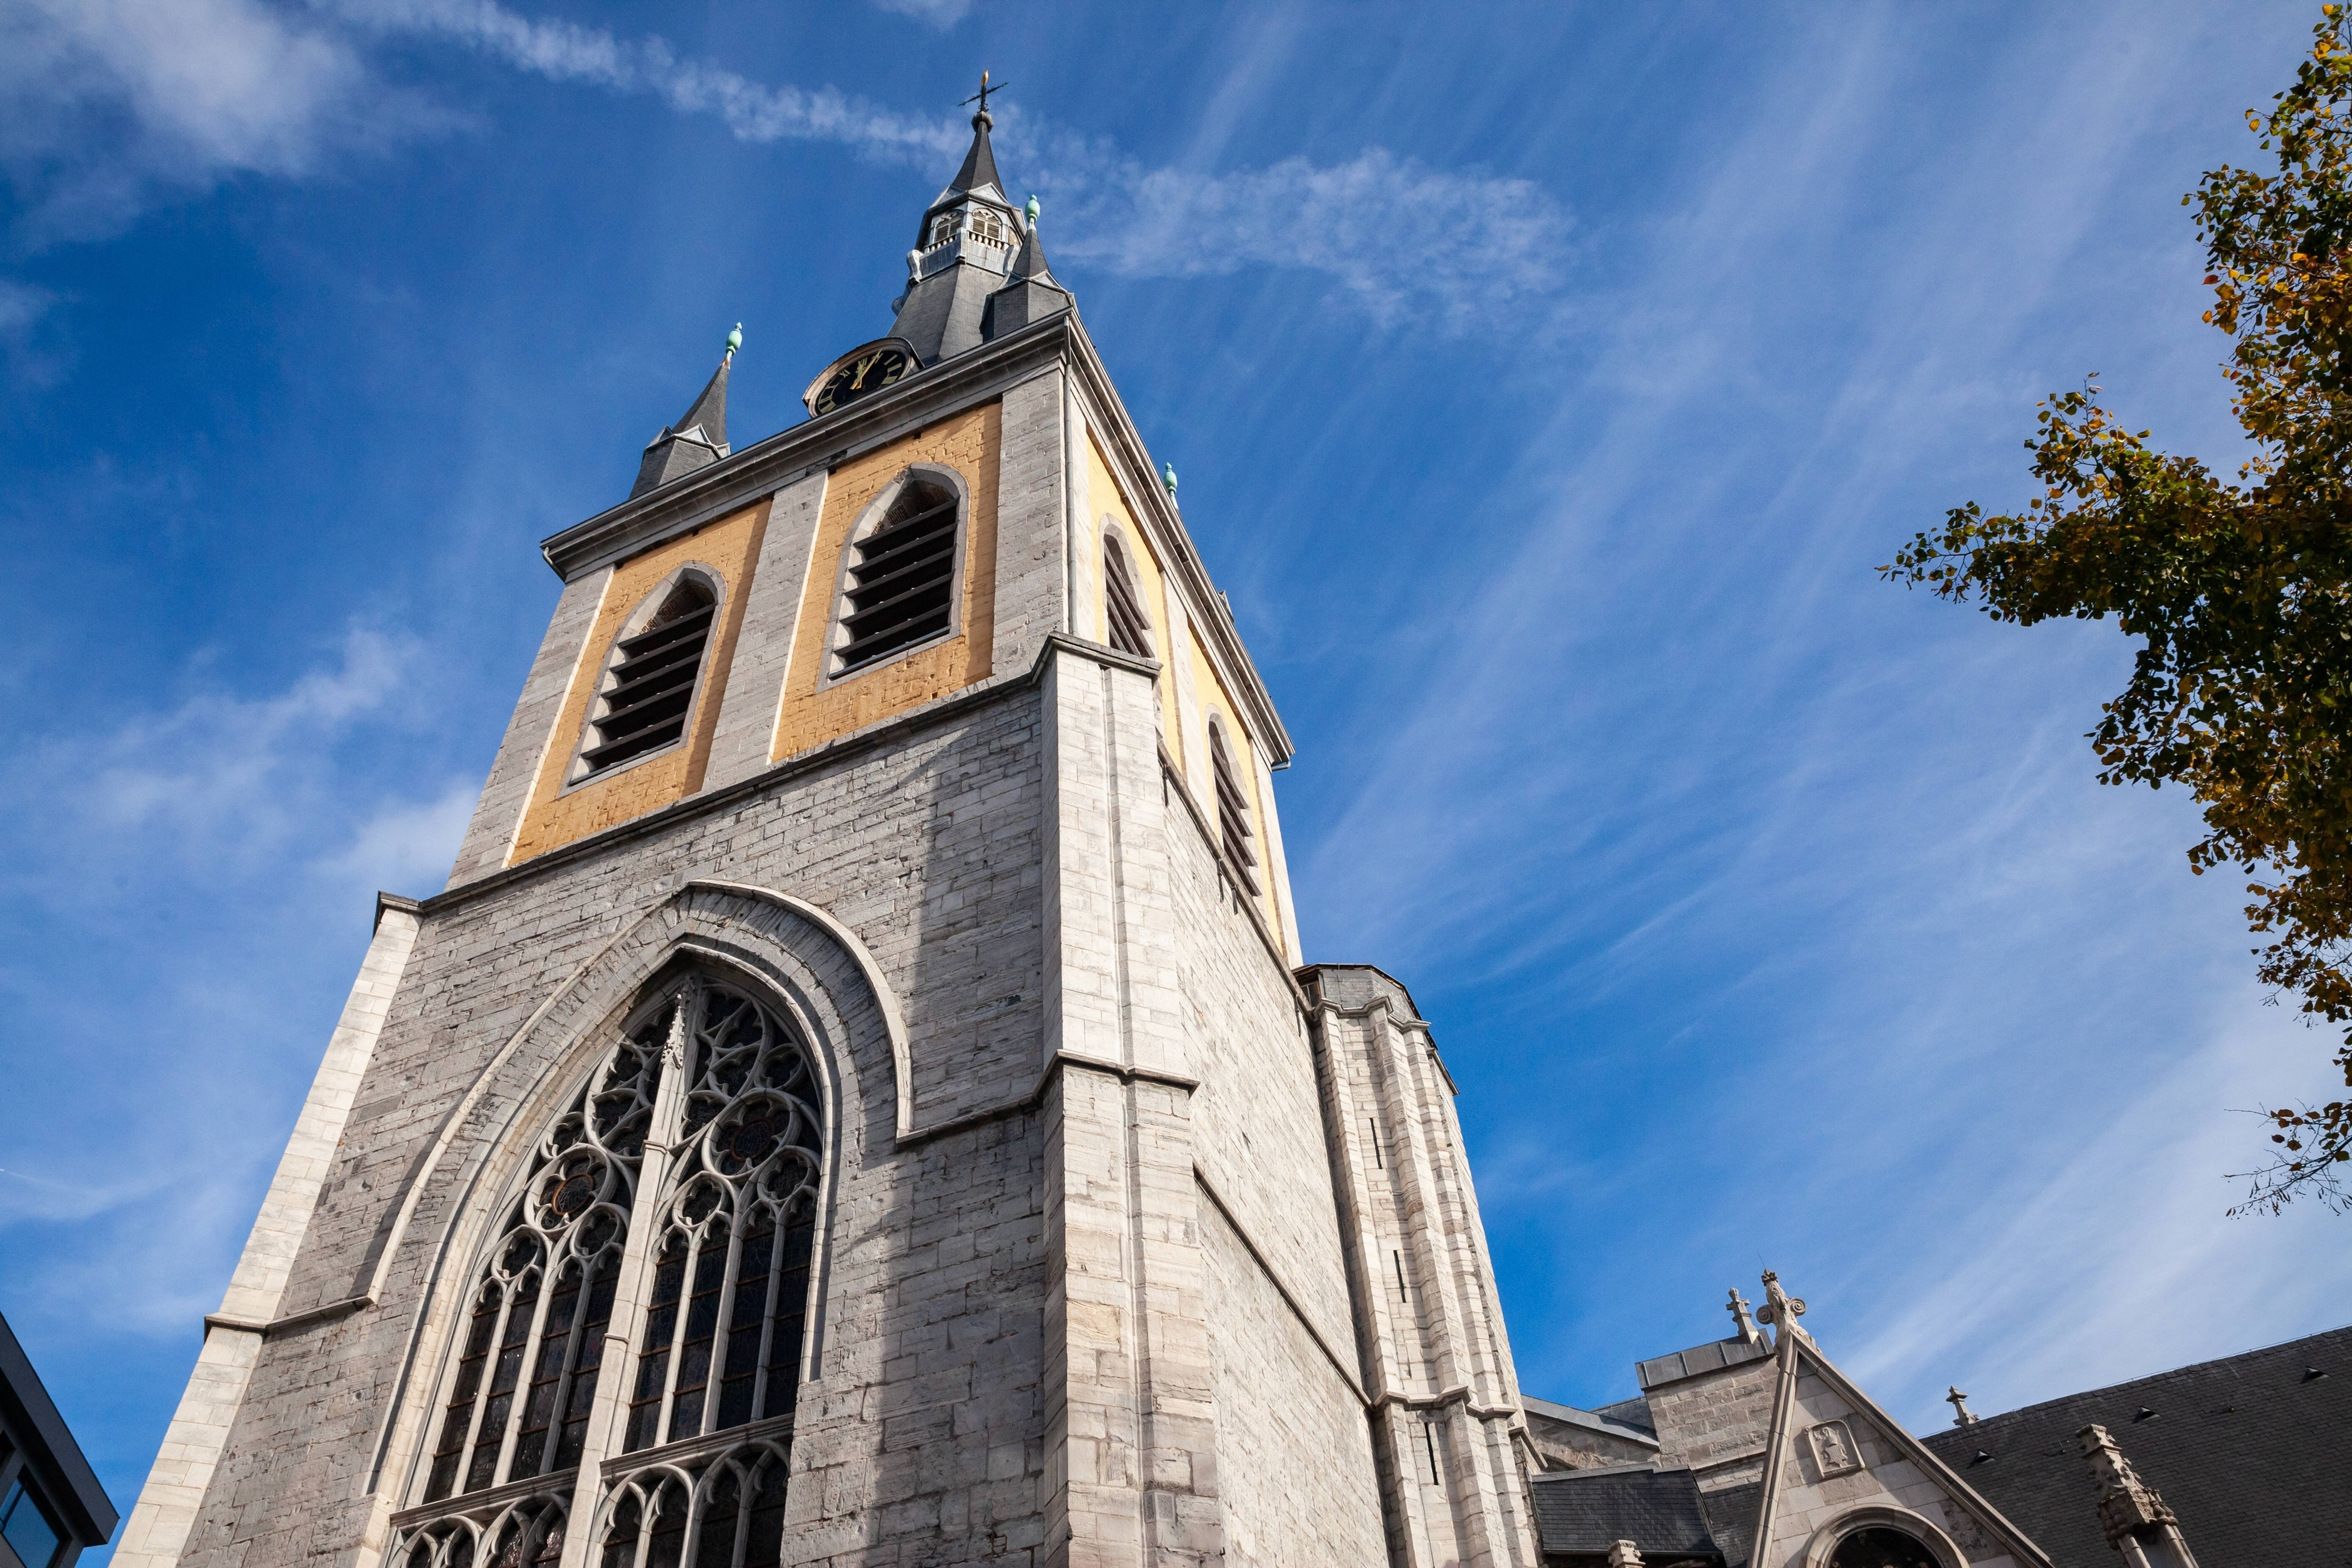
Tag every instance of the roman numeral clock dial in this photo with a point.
(861, 372)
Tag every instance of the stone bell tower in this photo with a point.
(859, 1099)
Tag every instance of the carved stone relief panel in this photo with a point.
(1834, 1453)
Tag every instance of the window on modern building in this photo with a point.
(1232, 811)
(901, 578)
(1882, 1547)
(649, 687)
(1130, 631)
(726, 1232)
(25, 1526)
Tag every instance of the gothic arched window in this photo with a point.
(1882, 1547)
(545, 1296)
(648, 686)
(898, 584)
(1233, 810)
(723, 1340)
(688, 1163)
(1130, 627)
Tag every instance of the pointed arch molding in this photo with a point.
(786, 947)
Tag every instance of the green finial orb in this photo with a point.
(1033, 211)
(1169, 479)
(735, 338)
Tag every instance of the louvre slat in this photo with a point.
(649, 691)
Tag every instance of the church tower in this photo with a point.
(860, 1098)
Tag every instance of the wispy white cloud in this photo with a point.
(114, 101)
(103, 103)
(938, 12)
(184, 861)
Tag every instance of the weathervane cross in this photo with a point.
(981, 98)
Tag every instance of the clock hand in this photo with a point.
(863, 365)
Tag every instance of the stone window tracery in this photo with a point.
(568, 1225)
(689, 1163)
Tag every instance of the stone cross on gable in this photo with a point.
(1738, 1311)
(1959, 1404)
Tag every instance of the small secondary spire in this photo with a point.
(699, 437)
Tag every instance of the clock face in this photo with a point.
(866, 370)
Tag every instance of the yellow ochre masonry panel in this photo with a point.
(558, 816)
(809, 716)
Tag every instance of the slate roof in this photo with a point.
(1585, 1511)
(1709, 1357)
(2252, 1452)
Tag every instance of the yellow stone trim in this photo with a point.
(557, 817)
(810, 712)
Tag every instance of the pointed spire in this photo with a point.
(980, 163)
(1029, 266)
(699, 437)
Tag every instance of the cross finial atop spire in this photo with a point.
(1738, 1311)
(1959, 1404)
(981, 98)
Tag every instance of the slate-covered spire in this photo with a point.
(964, 252)
(978, 171)
(699, 437)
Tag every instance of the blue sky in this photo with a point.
(1546, 384)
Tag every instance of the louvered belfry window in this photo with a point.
(1233, 812)
(901, 583)
(650, 687)
(1130, 631)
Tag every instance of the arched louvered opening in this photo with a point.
(1130, 627)
(900, 589)
(1233, 810)
(649, 687)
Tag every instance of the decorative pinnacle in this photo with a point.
(1169, 479)
(1032, 211)
(1780, 1308)
(735, 339)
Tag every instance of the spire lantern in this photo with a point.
(977, 270)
